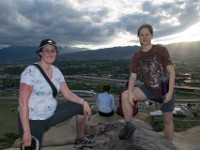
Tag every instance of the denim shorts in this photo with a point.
(166, 107)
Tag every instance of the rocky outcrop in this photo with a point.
(188, 139)
(105, 131)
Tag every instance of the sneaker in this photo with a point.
(34, 145)
(84, 142)
(127, 132)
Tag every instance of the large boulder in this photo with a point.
(105, 131)
(144, 137)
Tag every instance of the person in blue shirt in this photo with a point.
(106, 102)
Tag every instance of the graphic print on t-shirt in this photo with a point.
(151, 71)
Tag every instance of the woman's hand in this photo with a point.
(27, 138)
(130, 99)
(87, 110)
(167, 98)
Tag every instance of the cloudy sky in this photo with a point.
(97, 23)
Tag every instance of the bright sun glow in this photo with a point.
(191, 34)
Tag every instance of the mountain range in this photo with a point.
(27, 53)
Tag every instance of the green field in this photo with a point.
(8, 117)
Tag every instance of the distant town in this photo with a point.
(88, 84)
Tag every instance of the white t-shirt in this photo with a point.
(41, 104)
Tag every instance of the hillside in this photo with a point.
(185, 49)
(22, 53)
(102, 54)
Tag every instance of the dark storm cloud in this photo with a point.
(26, 22)
(39, 19)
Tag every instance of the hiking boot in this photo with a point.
(127, 132)
(84, 142)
